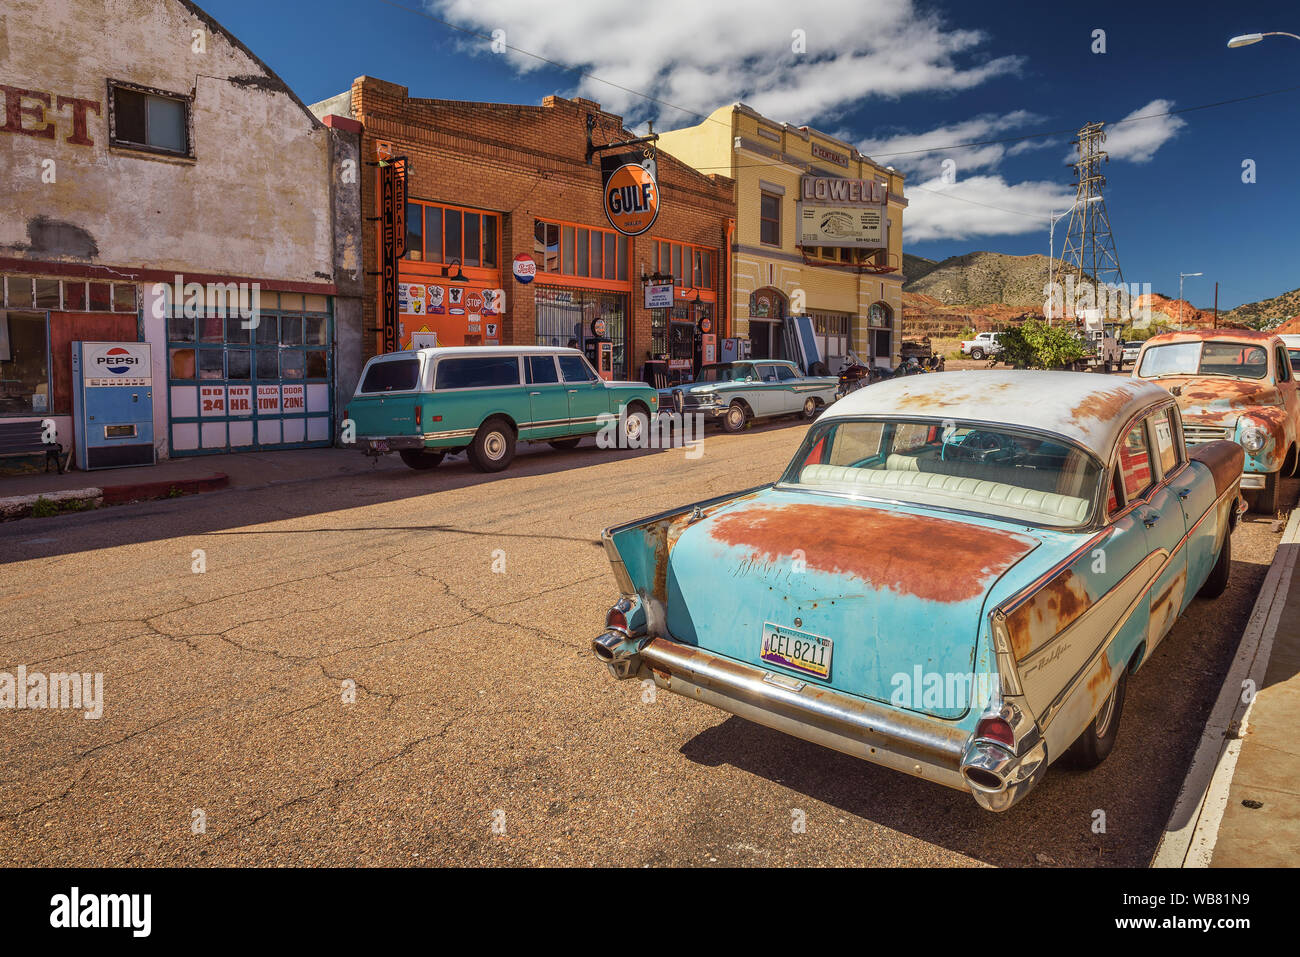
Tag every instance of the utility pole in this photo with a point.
(1216, 305)
(1089, 244)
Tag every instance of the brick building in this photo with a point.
(490, 182)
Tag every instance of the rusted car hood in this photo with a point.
(1218, 400)
(895, 589)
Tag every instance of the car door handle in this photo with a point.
(573, 392)
(1150, 519)
(1184, 492)
(534, 393)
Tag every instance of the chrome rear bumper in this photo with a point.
(924, 747)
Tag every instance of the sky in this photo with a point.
(904, 81)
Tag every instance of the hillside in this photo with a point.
(980, 278)
(1253, 314)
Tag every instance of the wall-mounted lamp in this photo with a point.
(458, 277)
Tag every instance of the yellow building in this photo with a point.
(819, 232)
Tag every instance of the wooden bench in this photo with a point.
(28, 438)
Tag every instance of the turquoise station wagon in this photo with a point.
(429, 403)
(953, 578)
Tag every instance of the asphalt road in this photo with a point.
(226, 739)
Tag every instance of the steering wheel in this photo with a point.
(989, 447)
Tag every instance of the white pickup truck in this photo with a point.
(984, 344)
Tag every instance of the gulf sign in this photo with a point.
(631, 196)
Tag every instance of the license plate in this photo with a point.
(379, 445)
(796, 650)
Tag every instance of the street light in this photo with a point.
(1246, 39)
(1051, 245)
(1181, 277)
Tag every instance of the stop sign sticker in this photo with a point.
(525, 268)
(631, 199)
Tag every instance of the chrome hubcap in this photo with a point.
(633, 426)
(736, 416)
(495, 446)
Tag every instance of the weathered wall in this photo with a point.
(254, 202)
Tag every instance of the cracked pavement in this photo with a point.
(475, 692)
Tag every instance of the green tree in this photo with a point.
(1036, 345)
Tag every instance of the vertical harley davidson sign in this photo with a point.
(392, 245)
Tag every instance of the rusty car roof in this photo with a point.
(1087, 408)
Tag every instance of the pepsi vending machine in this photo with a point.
(112, 404)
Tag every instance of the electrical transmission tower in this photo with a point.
(1089, 252)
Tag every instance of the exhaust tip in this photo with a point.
(984, 780)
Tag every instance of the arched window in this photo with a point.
(880, 316)
(766, 303)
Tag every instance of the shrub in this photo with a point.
(1036, 345)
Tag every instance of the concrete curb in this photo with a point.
(1193, 827)
(80, 499)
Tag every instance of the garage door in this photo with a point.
(234, 389)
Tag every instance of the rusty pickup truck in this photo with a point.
(1235, 385)
(954, 577)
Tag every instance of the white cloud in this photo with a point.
(981, 206)
(701, 54)
(1137, 140)
(922, 154)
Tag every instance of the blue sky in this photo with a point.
(898, 78)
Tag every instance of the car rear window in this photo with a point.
(477, 372)
(392, 375)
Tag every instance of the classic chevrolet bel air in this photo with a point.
(735, 393)
(1233, 384)
(953, 578)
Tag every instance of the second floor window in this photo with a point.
(440, 234)
(769, 219)
(150, 120)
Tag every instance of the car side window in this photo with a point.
(1135, 465)
(1162, 427)
(1283, 366)
(541, 370)
(575, 369)
(785, 373)
(767, 373)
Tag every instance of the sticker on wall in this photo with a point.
(525, 268)
(424, 340)
(474, 302)
(268, 399)
(437, 296)
(494, 302)
(411, 299)
(474, 323)
(212, 400)
(294, 398)
(239, 399)
(492, 330)
(456, 295)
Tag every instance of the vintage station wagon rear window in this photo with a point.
(1237, 359)
(391, 375)
(993, 470)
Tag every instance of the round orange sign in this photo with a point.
(631, 199)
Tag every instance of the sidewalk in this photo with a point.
(199, 473)
(1240, 803)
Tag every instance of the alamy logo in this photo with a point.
(103, 910)
(26, 690)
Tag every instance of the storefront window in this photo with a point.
(574, 251)
(24, 363)
(414, 231)
(566, 315)
(473, 242)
